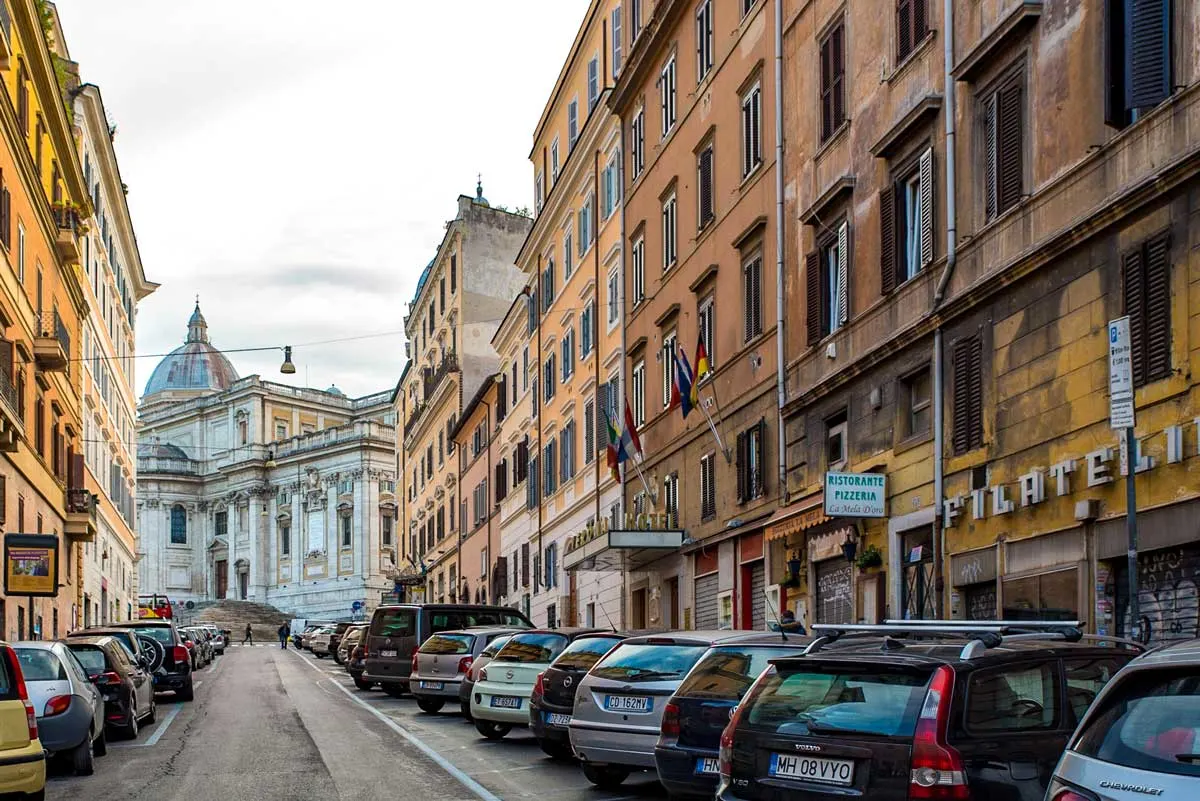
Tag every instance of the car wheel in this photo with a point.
(318, 656)
(394, 690)
(83, 757)
(465, 707)
(40, 795)
(100, 746)
(431, 705)
(186, 693)
(606, 777)
(363, 685)
(152, 717)
(155, 649)
(556, 749)
(131, 730)
(337, 658)
(491, 729)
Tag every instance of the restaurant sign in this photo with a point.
(855, 494)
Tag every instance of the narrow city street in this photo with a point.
(270, 724)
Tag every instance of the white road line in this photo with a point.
(461, 777)
(158, 733)
(196, 684)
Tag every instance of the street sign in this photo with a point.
(855, 495)
(1120, 375)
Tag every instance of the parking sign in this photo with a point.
(1120, 375)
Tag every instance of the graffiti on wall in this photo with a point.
(1167, 595)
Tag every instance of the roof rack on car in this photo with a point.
(982, 634)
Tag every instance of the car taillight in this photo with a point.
(670, 721)
(464, 664)
(937, 769)
(14, 668)
(725, 754)
(483, 675)
(414, 662)
(179, 653)
(539, 684)
(1070, 795)
(57, 705)
(189, 645)
(108, 678)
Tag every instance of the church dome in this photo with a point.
(195, 366)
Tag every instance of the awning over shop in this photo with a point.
(797, 517)
(622, 549)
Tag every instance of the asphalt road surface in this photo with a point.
(280, 725)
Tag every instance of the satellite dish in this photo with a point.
(190, 604)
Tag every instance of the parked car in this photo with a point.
(915, 710)
(309, 631)
(195, 651)
(356, 665)
(619, 704)
(1142, 734)
(483, 660)
(127, 688)
(397, 631)
(335, 639)
(318, 641)
(22, 758)
(140, 651)
(219, 640)
(203, 640)
(443, 660)
(348, 642)
(500, 698)
(171, 663)
(553, 699)
(69, 708)
(695, 716)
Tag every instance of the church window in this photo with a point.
(178, 526)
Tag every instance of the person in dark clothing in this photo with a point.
(283, 636)
(789, 623)
(249, 638)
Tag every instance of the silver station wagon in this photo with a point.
(441, 663)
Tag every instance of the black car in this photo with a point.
(553, 699)
(910, 710)
(692, 721)
(140, 651)
(171, 662)
(128, 690)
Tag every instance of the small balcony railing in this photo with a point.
(435, 375)
(81, 514)
(52, 348)
(414, 418)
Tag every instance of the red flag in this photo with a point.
(631, 433)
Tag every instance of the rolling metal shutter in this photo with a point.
(758, 589)
(833, 591)
(706, 602)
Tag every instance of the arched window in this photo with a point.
(178, 526)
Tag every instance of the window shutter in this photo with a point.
(589, 431)
(843, 273)
(961, 435)
(975, 394)
(743, 464)
(812, 282)
(904, 38)
(838, 89)
(524, 564)
(1009, 169)
(1148, 53)
(918, 21)
(1158, 309)
(761, 478)
(926, 221)
(989, 156)
(1135, 306)
(887, 239)
(75, 479)
(826, 88)
(706, 188)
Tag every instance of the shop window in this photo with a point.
(725, 610)
(1050, 596)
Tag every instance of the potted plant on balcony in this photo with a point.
(871, 557)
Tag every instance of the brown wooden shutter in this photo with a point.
(989, 156)
(812, 290)
(1134, 289)
(1009, 154)
(75, 460)
(742, 467)
(919, 21)
(1149, 53)
(760, 487)
(975, 392)
(826, 88)
(1158, 308)
(706, 186)
(525, 564)
(3, 499)
(961, 434)
(904, 39)
(838, 89)
(887, 239)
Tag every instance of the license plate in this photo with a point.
(506, 701)
(708, 765)
(430, 685)
(387, 654)
(555, 719)
(813, 769)
(627, 703)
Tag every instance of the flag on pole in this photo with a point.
(701, 370)
(615, 450)
(629, 437)
(677, 394)
(683, 385)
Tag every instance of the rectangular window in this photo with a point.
(572, 123)
(752, 298)
(1003, 117)
(611, 187)
(589, 431)
(968, 394)
(635, 19)
(1137, 58)
(20, 252)
(666, 96)
(708, 487)
(668, 361)
(837, 448)
(704, 187)
(906, 223)
(747, 5)
(387, 527)
(568, 250)
(616, 41)
(705, 320)
(547, 288)
(1146, 284)
(554, 161)
(539, 195)
(1014, 700)
(550, 468)
(751, 462)
(637, 145)
(704, 40)
(614, 297)
(639, 393)
(566, 456)
(587, 319)
(751, 130)
(587, 216)
(638, 270)
(827, 284)
(347, 531)
(549, 379)
(285, 538)
(918, 409)
(911, 26)
(833, 79)
(568, 354)
(671, 498)
(593, 82)
(669, 229)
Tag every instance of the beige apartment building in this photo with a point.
(479, 527)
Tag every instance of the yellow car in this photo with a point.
(22, 760)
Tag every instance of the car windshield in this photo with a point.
(448, 644)
(40, 665)
(814, 701)
(160, 633)
(394, 623)
(727, 672)
(495, 645)
(585, 652)
(91, 657)
(1150, 721)
(648, 661)
(532, 648)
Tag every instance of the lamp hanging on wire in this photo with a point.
(287, 368)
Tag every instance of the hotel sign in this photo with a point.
(855, 495)
(633, 525)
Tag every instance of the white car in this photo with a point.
(318, 642)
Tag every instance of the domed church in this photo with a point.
(256, 490)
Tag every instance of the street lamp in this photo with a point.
(287, 368)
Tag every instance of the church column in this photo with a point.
(257, 590)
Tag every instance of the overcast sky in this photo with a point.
(294, 162)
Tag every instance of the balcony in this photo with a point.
(435, 375)
(69, 230)
(11, 424)
(81, 515)
(52, 345)
(414, 417)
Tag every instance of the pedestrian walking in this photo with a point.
(249, 638)
(283, 635)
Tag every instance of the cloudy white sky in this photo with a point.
(293, 162)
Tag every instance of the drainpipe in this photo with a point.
(621, 324)
(780, 366)
(939, 294)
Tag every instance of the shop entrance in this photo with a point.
(919, 590)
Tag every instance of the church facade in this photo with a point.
(249, 489)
